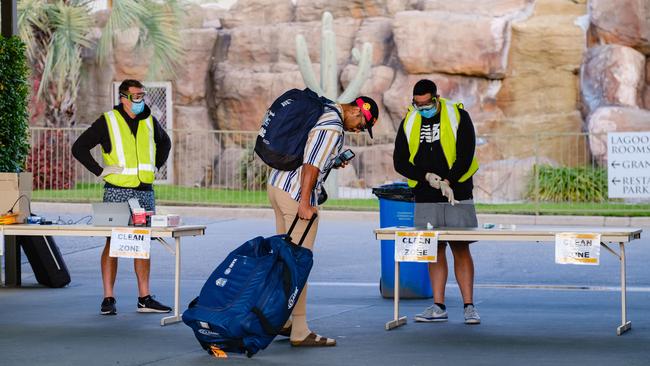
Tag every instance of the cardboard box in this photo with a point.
(165, 220)
(12, 186)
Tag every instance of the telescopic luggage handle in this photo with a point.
(304, 235)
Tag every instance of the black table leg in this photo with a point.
(12, 262)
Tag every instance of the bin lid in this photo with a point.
(399, 191)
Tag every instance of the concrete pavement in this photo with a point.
(533, 311)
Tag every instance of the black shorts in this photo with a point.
(444, 214)
(460, 215)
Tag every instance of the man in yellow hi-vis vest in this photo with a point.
(434, 150)
(133, 147)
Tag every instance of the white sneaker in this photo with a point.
(433, 313)
(471, 315)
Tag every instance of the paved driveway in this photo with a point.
(534, 311)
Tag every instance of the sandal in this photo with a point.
(314, 340)
(285, 331)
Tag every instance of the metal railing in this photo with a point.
(220, 168)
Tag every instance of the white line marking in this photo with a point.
(552, 287)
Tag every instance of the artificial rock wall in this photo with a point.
(522, 68)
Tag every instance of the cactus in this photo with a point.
(329, 85)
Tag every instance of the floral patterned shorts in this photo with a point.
(146, 198)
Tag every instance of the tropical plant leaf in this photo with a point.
(163, 34)
(32, 18)
(56, 32)
(123, 15)
(159, 31)
(71, 26)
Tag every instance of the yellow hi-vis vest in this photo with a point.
(136, 154)
(448, 130)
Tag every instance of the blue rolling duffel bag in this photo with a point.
(249, 297)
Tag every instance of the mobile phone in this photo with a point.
(346, 155)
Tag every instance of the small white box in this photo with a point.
(165, 220)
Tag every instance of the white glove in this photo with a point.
(433, 180)
(447, 192)
(111, 169)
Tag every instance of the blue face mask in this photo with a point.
(428, 113)
(137, 107)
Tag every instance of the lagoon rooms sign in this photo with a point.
(628, 164)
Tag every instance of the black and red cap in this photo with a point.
(369, 110)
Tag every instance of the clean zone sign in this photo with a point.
(577, 248)
(628, 164)
(130, 243)
(416, 246)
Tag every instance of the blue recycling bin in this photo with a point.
(396, 208)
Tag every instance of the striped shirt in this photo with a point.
(324, 144)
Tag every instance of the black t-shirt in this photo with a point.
(431, 159)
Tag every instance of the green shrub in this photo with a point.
(14, 90)
(563, 184)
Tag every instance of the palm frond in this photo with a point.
(125, 14)
(32, 19)
(48, 69)
(159, 30)
(73, 24)
(163, 34)
(70, 25)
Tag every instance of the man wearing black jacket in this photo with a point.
(434, 150)
(133, 146)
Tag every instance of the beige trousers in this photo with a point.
(285, 209)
